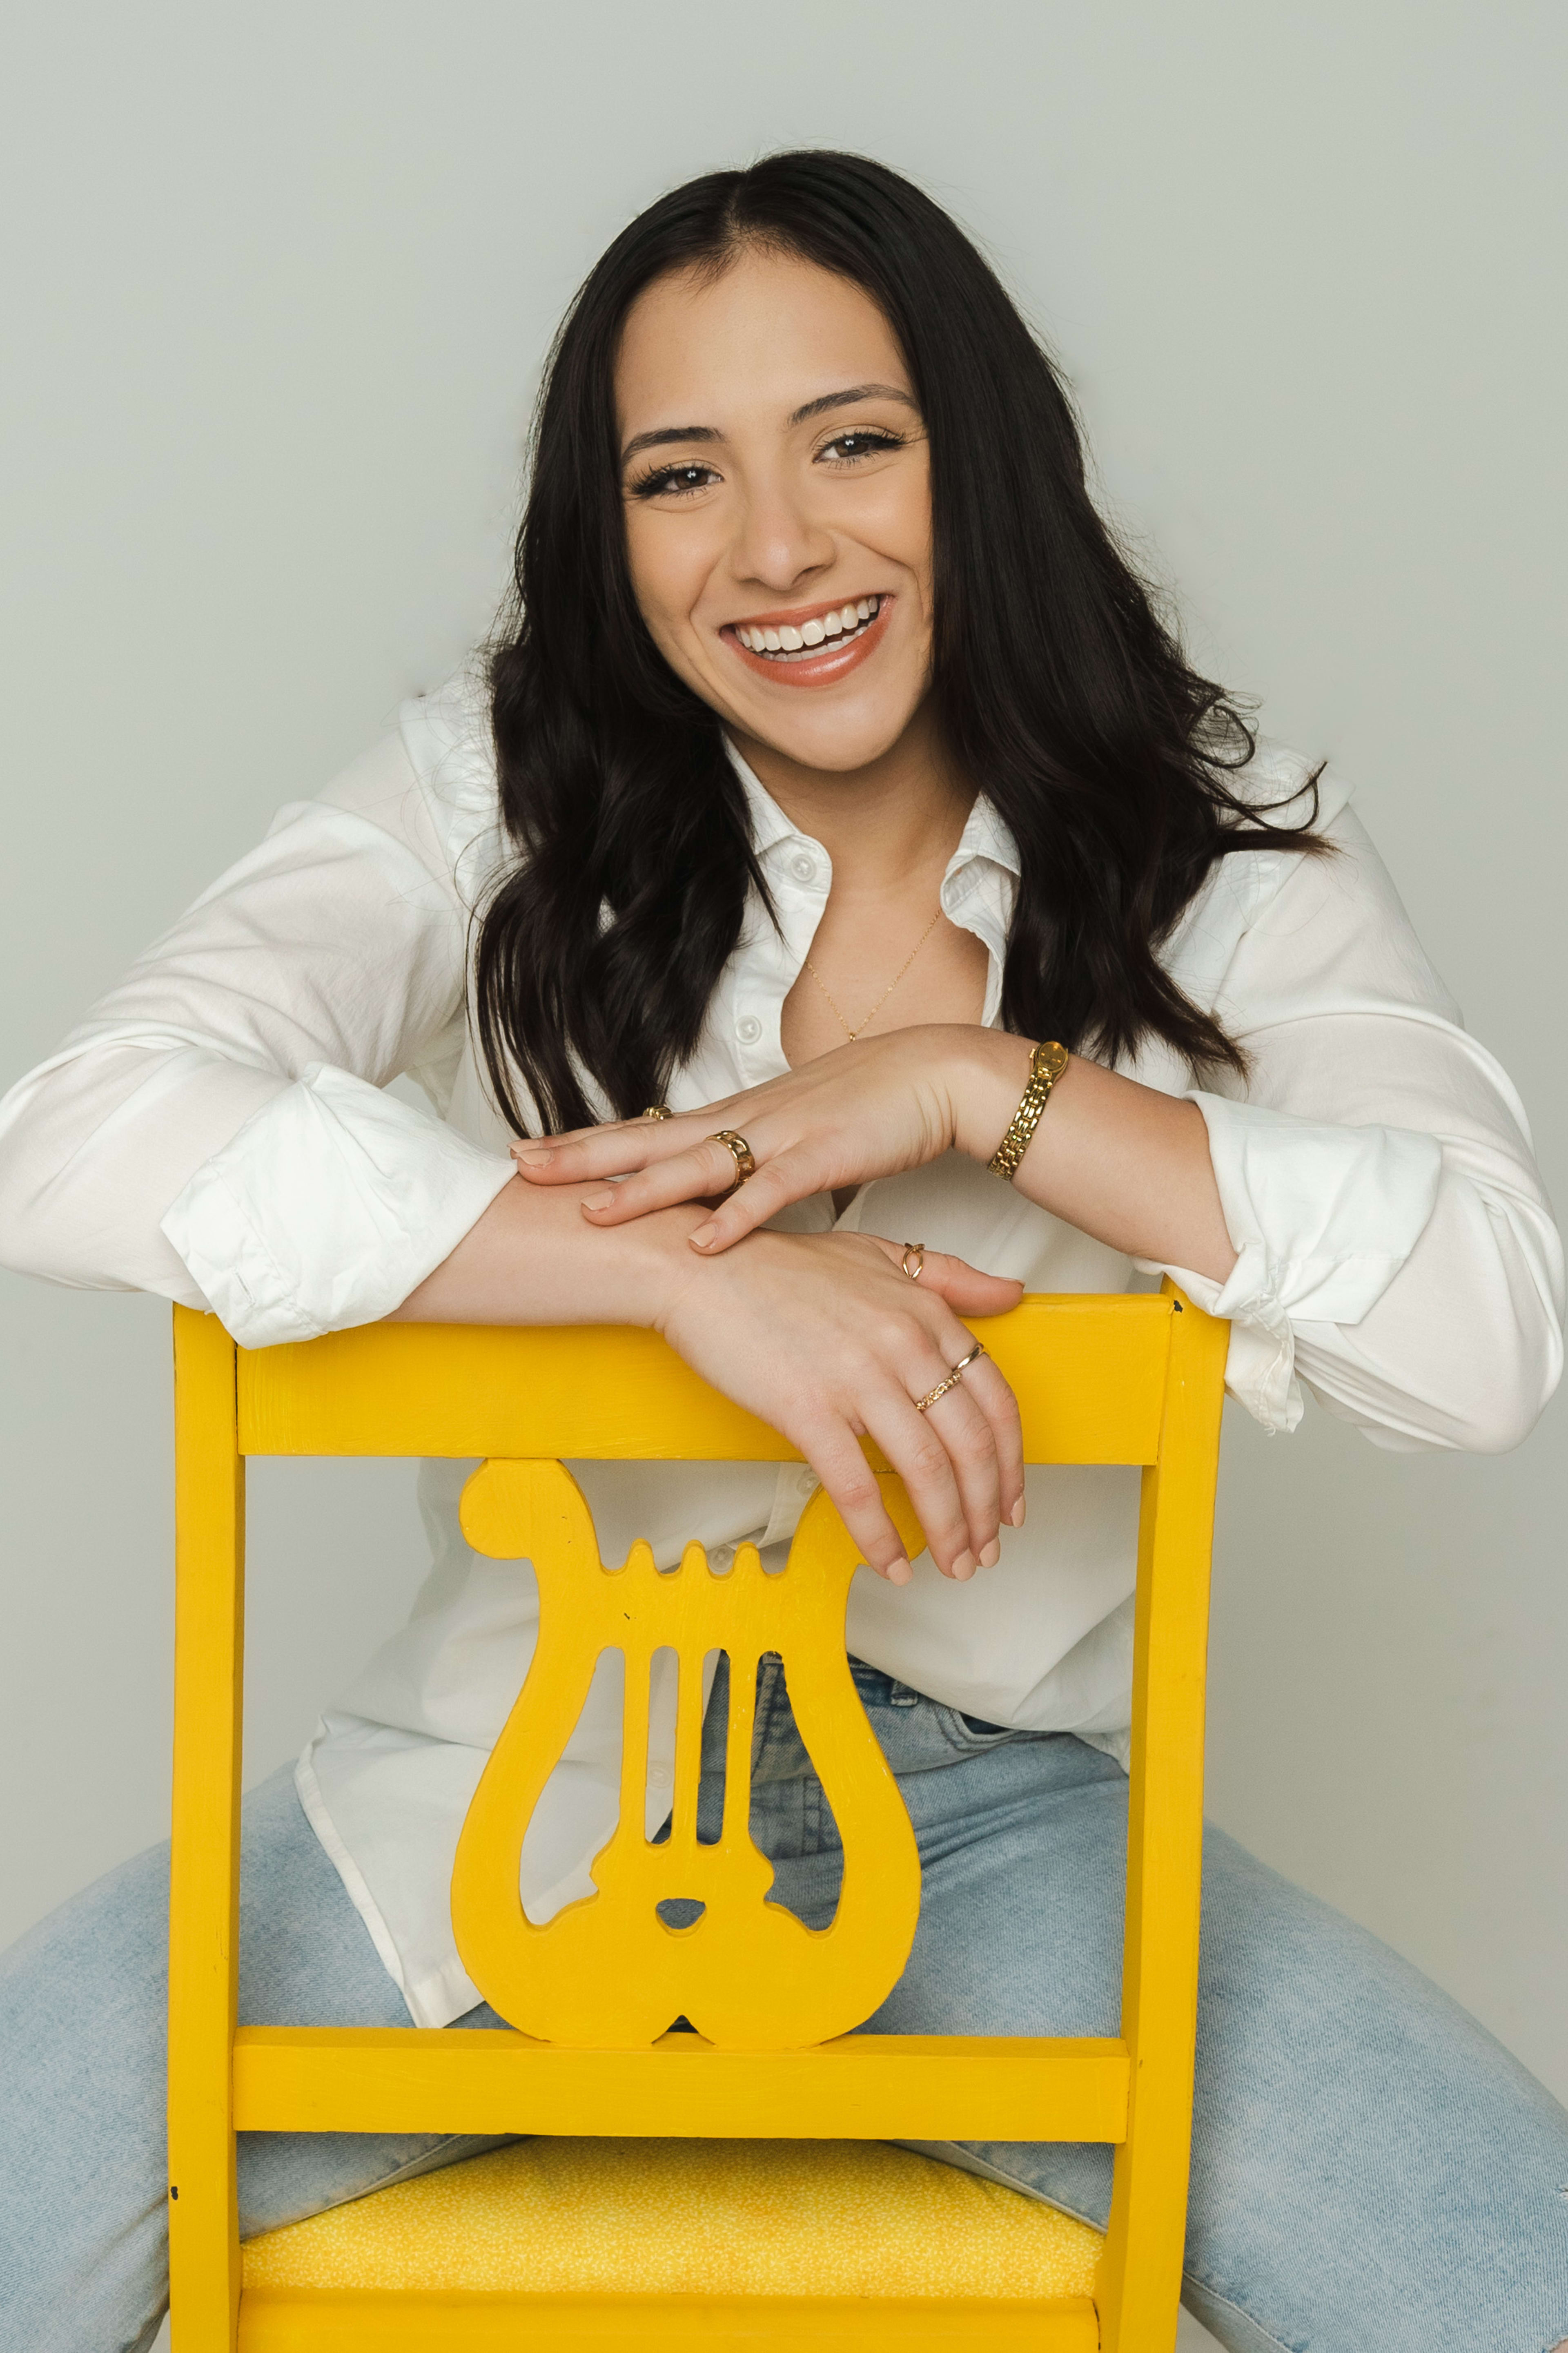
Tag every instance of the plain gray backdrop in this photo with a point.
(279, 285)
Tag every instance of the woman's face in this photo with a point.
(778, 491)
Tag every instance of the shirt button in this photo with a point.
(748, 1029)
(803, 868)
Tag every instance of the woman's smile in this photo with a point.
(811, 645)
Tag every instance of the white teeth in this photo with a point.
(845, 621)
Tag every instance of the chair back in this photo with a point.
(589, 1993)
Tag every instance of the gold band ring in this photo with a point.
(739, 1151)
(952, 1381)
(658, 1110)
(916, 1250)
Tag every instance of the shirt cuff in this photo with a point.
(1322, 1218)
(327, 1209)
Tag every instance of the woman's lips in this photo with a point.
(831, 661)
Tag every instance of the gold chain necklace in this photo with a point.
(870, 1018)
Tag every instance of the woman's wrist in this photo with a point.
(988, 1071)
(533, 1258)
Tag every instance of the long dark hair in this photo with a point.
(1059, 691)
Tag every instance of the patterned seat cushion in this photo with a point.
(689, 2217)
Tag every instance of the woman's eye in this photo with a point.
(677, 482)
(844, 448)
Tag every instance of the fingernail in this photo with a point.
(897, 1572)
(530, 1159)
(990, 1554)
(598, 1200)
(705, 1237)
(963, 1566)
(1016, 1514)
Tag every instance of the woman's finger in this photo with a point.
(600, 1151)
(970, 1445)
(991, 1394)
(698, 1174)
(792, 1175)
(964, 1287)
(833, 1453)
(915, 1450)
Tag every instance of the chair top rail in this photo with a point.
(1089, 1374)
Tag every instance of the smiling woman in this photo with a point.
(836, 793)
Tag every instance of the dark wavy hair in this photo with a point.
(1058, 689)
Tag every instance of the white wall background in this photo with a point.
(279, 284)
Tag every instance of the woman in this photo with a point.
(835, 777)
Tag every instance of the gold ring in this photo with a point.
(952, 1381)
(916, 1250)
(658, 1110)
(740, 1152)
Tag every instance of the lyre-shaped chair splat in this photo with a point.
(607, 1970)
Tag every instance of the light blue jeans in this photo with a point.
(1372, 2173)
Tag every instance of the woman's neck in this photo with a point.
(883, 825)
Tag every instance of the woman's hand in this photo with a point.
(823, 1336)
(864, 1111)
(819, 1335)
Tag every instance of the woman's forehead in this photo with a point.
(765, 336)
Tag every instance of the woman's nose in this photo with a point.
(779, 541)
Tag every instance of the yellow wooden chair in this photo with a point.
(729, 2187)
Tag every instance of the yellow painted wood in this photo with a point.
(1088, 1375)
(607, 1970)
(204, 1922)
(903, 2087)
(456, 2323)
(1140, 2282)
(1098, 1380)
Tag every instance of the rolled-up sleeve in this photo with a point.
(218, 1130)
(1396, 1250)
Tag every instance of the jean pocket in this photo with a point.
(971, 1735)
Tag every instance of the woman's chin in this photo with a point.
(837, 739)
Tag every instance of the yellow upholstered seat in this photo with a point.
(550, 2216)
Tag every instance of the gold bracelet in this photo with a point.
(1047, 1064)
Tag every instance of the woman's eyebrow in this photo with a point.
(848, 397)
(664, 436)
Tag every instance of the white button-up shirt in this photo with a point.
(217, 1131)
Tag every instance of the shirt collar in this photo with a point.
(986, 834)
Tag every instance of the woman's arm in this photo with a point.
(1120, 1161)
(217, 1130)
(1385, 1228)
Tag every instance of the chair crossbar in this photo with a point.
(325, 2322)
(856, 2087)
(1088, 1375)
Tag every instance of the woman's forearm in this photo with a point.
(1119, 1161)
(533, 1258)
